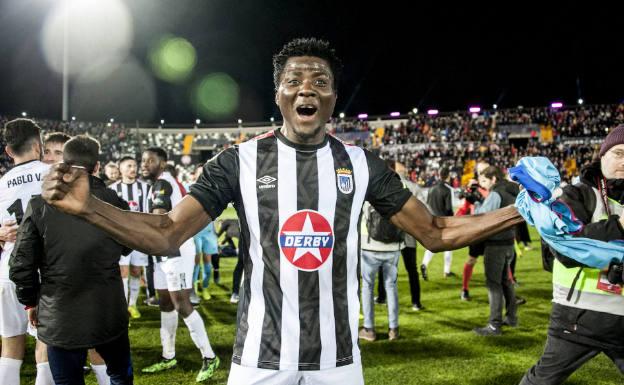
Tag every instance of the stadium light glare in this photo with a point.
(162, 121)
(415, 110)
(74, 118)
(580, 101)
(272, 119)
(342, 115)
(24, 114)
(240, 121)
(112, 120)
(197, 121)
(556, 105)
(475, 109)
(362, 116)
(395, 114)
(433, 112)
(495, 106)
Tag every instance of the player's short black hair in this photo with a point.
(444, 173)
(82, 150)
(56, 137)
(125, 158)
(307, 47)
(19, 135)
(162, 154)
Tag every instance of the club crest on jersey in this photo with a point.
(306, 240)
(344, 178)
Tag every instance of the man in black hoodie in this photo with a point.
(498, 254)
(80, 280)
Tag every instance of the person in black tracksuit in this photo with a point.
(498, 253)
(78, 303)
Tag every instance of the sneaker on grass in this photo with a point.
(209, 366)
(162, 365)
(134, 312)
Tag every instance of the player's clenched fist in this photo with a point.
(66, 187)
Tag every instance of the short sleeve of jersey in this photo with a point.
(217, 185)
(161, 195)
(385, 192)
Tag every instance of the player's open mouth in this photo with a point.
(306, 111)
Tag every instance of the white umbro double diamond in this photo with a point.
(267, 179)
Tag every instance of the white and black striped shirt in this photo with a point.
(299, 208)
(136, 194)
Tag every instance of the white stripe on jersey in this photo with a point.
(327, 208)
(358, 160)
(139, 194)
(289, 274)
(17, 186)
(251, 348)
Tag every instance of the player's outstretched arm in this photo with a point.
(67, 189)
(449, 233)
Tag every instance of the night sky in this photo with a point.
(397, 57)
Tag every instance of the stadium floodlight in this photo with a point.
(342, 115)
(112, 120)
(109, 124)
(272, 119)
(495, 106)
(197, 121)
(580, 101)
(74, 118)
(433, 112)
(362, 116)
(240, 121)
(475, 109)
(395, 114)
(415, 110)
(556, 105)
(24, 114)
(162, 121)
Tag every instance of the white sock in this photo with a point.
(44, 375)
(135, 285)
(427, 258)
(125, 285)
(10, 371)
(100, 374)
(168, 327)
(195, 324)
(448, 260)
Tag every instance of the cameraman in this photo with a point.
(588, 310)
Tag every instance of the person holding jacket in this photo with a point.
(78, 303)
(498, 253)
(588, 309)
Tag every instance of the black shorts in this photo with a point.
(476, 249)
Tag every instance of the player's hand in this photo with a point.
(67, 188)
(32, 317)
(8, 231)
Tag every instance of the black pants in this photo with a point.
(66, 364)
(496, 260)
(238, 274)
(149, 277)
(561, 358)
(409, 259)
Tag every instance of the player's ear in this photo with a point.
(9, 151)
(96, 169)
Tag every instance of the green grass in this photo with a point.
(437, 345)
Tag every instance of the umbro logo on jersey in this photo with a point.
(266, 182)
(306, 240)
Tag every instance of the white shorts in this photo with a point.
(135, 258)
(13, 317)
(343, 375)
(176, 273)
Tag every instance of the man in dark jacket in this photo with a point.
(440, 202)
(588, 304)
(78, 303)
(498, 253)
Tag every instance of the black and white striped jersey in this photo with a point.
(136, 194)
(299, 207)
